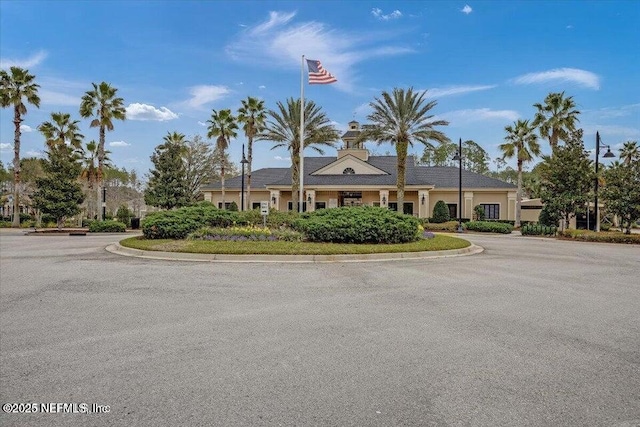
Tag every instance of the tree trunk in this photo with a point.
(222, 180)
(16, 168)
(401, 151)
(519, 193)
(249, 159)
(295, 178)
(99, 180)
(553, 141)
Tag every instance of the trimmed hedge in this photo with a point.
(538, 230)
(604, 237)
(489, 227)
(363, 224)
(177, 224)
(108, 226)
(451, 226)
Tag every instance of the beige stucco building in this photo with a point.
(354, 178)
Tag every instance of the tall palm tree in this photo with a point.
(105, 106)
(223, 127)
(16, 86)
(62, 130)
(521, 142)
(556, 119)
(253, 116)
(630, 152)
(283, 128)
(90, 171)
(400, 118)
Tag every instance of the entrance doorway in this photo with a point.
(348, 198)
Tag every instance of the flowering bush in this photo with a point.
(244, 233)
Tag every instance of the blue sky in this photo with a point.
(485, 63)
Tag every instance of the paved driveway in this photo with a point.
(531, 332)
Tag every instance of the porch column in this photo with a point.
(274, 199)
(468, 205)
(511, 206)
(311, 200)
(384, 198)
(423, 203)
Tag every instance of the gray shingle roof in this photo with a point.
(351, 134)
(439, 177)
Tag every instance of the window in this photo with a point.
(226, 205)
(453, 210)
(491, 210)
(255, 205)
(290, 206)
(348, 171)
(407, 209)
(321, 205)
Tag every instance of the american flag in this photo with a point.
(318, 75)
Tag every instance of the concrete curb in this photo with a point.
(118, 249)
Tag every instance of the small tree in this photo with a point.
(441, 212)
(124, 215)
(479, 211)
(622, 192)
(58, 192)
(233, 207)
(167, 186)
(567, 180)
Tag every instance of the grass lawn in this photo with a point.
(438, 243)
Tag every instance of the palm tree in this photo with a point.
(400, 118)
(223, 126)
(103, 104)
(630, 152)
(90, 171)
(283, 128)
(61, 131)
(253, 116)
(14, 87)
(556, 119)
(522, 142)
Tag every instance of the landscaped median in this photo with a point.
(364, 232)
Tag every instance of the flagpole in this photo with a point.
(301, 153)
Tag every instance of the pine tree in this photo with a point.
(58, 192)
(167, 186)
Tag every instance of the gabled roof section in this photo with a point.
(259, 180)
(448, 177)
(360, 167)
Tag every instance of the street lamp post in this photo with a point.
(244, 161)
(458, 157)
(608, 154)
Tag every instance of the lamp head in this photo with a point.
(608, 154)
(457, 157)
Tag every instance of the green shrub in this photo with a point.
(451, 226)
(24, 217)
(275, 219)
(547, 217)
(177, 224)
(605, 237)
(245, 233)
(605, 227)
(107, 227)
(5, 224)
(233, 206)
(440, 212)
(489, 227)
(538, 230)
(86, 222)
(47, 218)
(363, 224)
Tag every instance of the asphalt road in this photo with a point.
(530, 333)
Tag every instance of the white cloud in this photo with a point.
(363, 110)
(573, 75)
(5, 146)
(29, 62)
(26, 128)
(607, 130)
(613, 112)
(456, 90)
(569, 27)
(280, 42)
(280, 158)
(262, 87)
(204, 94)
(474, 115)
(466, 9)
(147, 112)
(34, 153)
(203, 124)
(48, 97)
(119, 144)
(377, 13)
